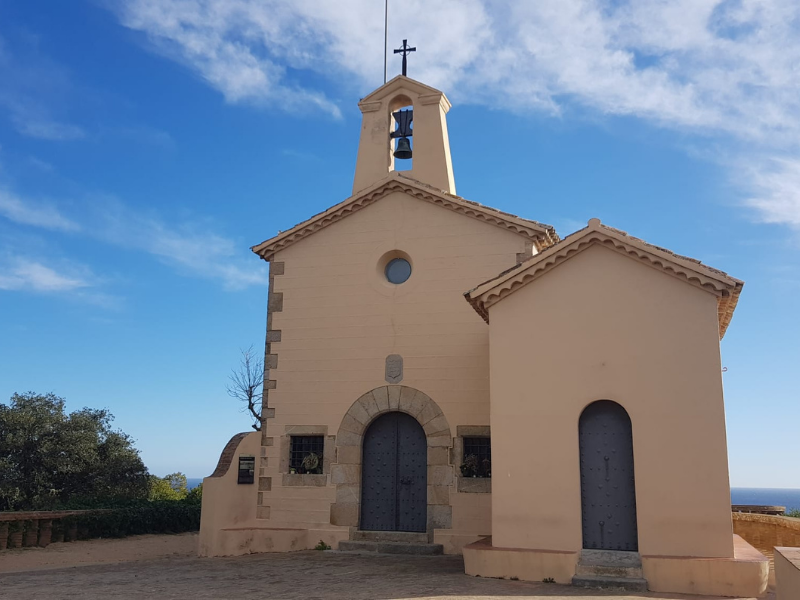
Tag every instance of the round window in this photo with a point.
(398, 270)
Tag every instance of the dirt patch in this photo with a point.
(94, 552)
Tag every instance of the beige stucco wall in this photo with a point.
(227, 504)
(339, 319)
(483, 559)
(787, 573)
(604, 326)
(431, 163)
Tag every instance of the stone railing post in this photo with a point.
(45, 531)
(71, 531)
(57, 534)
(15, 534)
(3, 535)
(31, 533)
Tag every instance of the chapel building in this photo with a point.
(443, 374)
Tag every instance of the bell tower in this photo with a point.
(413, 116)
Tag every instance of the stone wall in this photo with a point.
(35, 528)
(767, 531)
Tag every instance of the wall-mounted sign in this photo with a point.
(247, 469)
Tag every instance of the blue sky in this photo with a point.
(145, 145)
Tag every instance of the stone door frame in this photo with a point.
(346, 472)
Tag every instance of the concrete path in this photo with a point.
(308, 575)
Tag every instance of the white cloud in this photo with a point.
(720, 68)
(55, 277)
(142, 134)
(45, 216)
(192, 247)
(776, 190)
(24, 274)
(40, 164)
(35, 93)
(721, 64)
(46, 129)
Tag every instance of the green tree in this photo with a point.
(171, 487)
(195, 495)
(49, 457)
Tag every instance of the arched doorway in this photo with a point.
(608, 489)
(394, 475)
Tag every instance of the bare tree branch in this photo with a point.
(246, 385)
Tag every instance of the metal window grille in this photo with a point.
(301, 447)
(481, 449)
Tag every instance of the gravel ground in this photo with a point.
(171, 571)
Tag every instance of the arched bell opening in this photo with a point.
(608, 486)
(401, 131)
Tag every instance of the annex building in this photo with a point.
(444, 374)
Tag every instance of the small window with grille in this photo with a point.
(477, 457)
(305, 455)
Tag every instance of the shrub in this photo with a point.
(150, 517)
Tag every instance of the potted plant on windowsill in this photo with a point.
(469, 468)
(311, 463)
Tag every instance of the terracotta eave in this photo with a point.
(726, 288)
(542, 236)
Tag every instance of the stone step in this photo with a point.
(609, 571)
(390, 547)
(624, 583)
(390, 536)
(610, 558)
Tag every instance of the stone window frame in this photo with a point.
(305, 480)
(469, 485)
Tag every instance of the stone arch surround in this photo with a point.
(346, 472)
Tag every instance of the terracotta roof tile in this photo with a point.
(494, 289)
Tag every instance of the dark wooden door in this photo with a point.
(608, 488)
(394, 475)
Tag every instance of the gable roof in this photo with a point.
(398, 83)
(692, 271)
(542, 236)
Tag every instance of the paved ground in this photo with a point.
(306, 575)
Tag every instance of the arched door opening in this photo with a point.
(608, 488)
(394, 475)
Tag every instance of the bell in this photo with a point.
(403, 148)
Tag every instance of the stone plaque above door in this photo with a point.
(394, 368)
